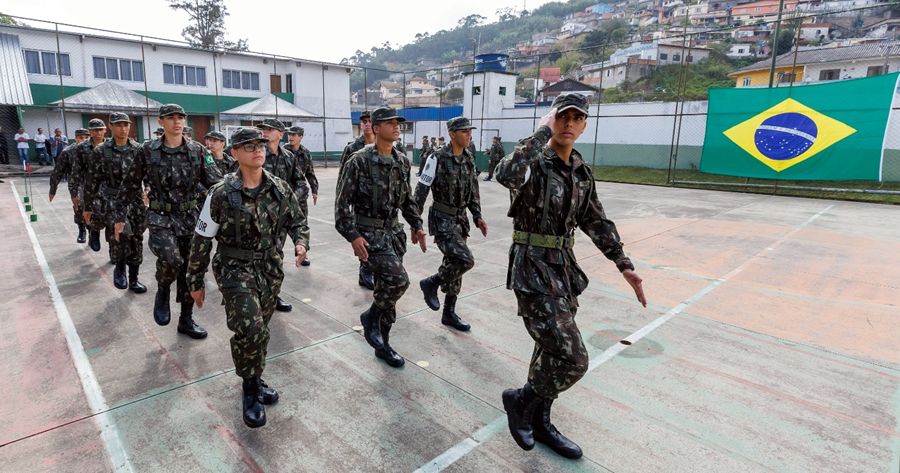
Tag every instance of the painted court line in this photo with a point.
(108, 432)
(454, 453)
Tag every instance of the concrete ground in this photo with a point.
(771, 343)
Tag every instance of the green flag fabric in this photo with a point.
(831, 131)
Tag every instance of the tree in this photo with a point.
(206, 28)
(471, 20)
(8, 20)
(506, 14)
(783, 43)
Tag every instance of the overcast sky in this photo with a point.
(319, 30)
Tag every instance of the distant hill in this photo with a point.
(459, 42)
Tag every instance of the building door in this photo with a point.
(200, 124)
(275, 83)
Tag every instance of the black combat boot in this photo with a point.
(267, 395)
(94, 240)
(254, 411)
(281, 305)
(82, 233)
(546, 433)
(366, 279)
(429, 288)
(371, 322)
(520, 405)
(133, 284)
(306, 262)
(386, 353)
(161, 312)
(450, 318)
(119, 278)
(186, 324)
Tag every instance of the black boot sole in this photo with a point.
(137, 289)
(509, 402)
(389, 360)
(454, 325)
(566, 453)
(192, 334)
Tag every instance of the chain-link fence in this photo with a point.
(648, 92)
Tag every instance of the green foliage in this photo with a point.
(784, 42)
(8, 20)
(206, 26)
(673, 82)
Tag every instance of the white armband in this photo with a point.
(527, 174)
(206, 226)
(427, 176)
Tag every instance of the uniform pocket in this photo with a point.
(157, 220)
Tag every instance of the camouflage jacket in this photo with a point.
(248, 224)
(227, 164)
(375, 187)
(284, 166)
(80, 156)
(352, 147)
(104, 172)
(307, 174)
(63, 169)
(178, 179)
(551, 197)
(454, 184)
(497, 151)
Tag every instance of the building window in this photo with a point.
(45, 62)
(786, 77)
(663, 56)
(240, 80)
(875, 71)
(476, 90)
(676, 57)
(179, 74)
(689, 58)
(502, 90)
(118, 69)
(289, 83)
(829, 74)
(746, 82)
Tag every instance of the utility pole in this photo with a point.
(775, 43)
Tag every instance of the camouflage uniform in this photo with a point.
(549, 200)
(455, 189)
(309, 184)
(178, 179)
(352, 147)
(226, 165)
(103, 177)
(496, 154)
(366, 278)
(426, 150)
(82, 154)
(247, 263)
(64, 169)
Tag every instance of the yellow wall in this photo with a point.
(761, 77)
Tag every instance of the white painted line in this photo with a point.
(108, 432)
(461, 449)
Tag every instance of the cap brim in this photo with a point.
(252, 140)
(173, 113)
(464, 128)
(576, 107)
(397, 117)
(121, 121)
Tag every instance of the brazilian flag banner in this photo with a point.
(832, 131)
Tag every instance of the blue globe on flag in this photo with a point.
(785, 136)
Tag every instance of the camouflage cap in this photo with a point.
(82, 132)
(216, 135)
(171, 109)
(271, 123)
(383, 114)
(247, 135)
(96, 124)
(365, 114)
(160, 131)
(118, 117)
(295, 130)
(496, 138)
(571, 100)
(187, 130)
(459, 123)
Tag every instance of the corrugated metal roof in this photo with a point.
(267, 107)
(825, 55)
(14, 89)
(108, 97)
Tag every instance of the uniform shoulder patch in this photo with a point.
(427, 177)
(207, 158)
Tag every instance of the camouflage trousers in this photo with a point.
(171, 253)
(79, 213)
(491, 165)
(130, 245)
(457, 260)
(560, 358)
(386, 250)
(248, 312)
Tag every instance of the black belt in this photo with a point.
(448, 209)
(244, 255)
(377, 223)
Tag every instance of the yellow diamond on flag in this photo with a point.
(787, 134)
